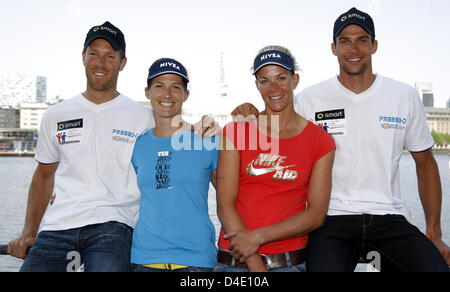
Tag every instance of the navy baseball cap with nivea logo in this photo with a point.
(108, 32)
(167, 66)
(354, 16)
(273, 57)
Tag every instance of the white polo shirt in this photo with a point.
(95, 181)
(371, 131)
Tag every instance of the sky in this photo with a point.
(46, 38)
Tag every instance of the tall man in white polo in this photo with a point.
(372, 118)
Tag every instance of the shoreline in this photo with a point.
(435, 152)
(441, 151)
(13, 154)
(31, 154)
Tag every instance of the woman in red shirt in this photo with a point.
(274, 177)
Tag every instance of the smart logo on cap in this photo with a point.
(108, 32)
(354, 16)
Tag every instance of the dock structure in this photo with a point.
(14, 154)
(17, 142)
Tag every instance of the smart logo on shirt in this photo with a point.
(333, 122)
(70, 132)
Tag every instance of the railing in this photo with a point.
(3, 250)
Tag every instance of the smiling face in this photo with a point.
(354, 48)
(276, 85)
(167, 93)
(102, 65)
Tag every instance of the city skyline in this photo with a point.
(19, 88)
(46, 37)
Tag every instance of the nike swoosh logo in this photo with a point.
(262, 171)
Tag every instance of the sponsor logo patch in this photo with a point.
(124, 136)
(333, 122)
(70, 132)
(393, 123)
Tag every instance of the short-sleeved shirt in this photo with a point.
(273, 181)
(371, 131)
(174, 226)
(95, 181)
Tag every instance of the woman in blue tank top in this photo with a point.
(174, 169)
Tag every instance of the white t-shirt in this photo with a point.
(95, 181)
(371, 130)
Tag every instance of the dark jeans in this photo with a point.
(400, 246)
(101, 248)
(142, 269)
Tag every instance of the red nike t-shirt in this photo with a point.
(273, 183)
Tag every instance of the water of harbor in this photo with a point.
(16, 174)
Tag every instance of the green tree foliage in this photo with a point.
(441, 139)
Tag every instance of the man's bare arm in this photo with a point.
(430, 191)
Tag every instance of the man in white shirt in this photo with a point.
(83, 200)
(372, 119)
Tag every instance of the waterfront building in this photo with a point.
(17, 140)
(22, 88)
(425, 90)
(438, 119)
(31, 115)
(9, 117)
(41, 89)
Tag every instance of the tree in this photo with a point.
(441, 139)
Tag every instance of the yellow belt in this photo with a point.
(169, 267)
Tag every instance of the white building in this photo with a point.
(438, 119)
(9, 118)
(22, 88)
(31, 115)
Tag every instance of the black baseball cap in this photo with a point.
(354, 16)
(108, 32)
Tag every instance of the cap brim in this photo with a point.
(111, 41)
(168, 72)
(338, 32)
(272, 63)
